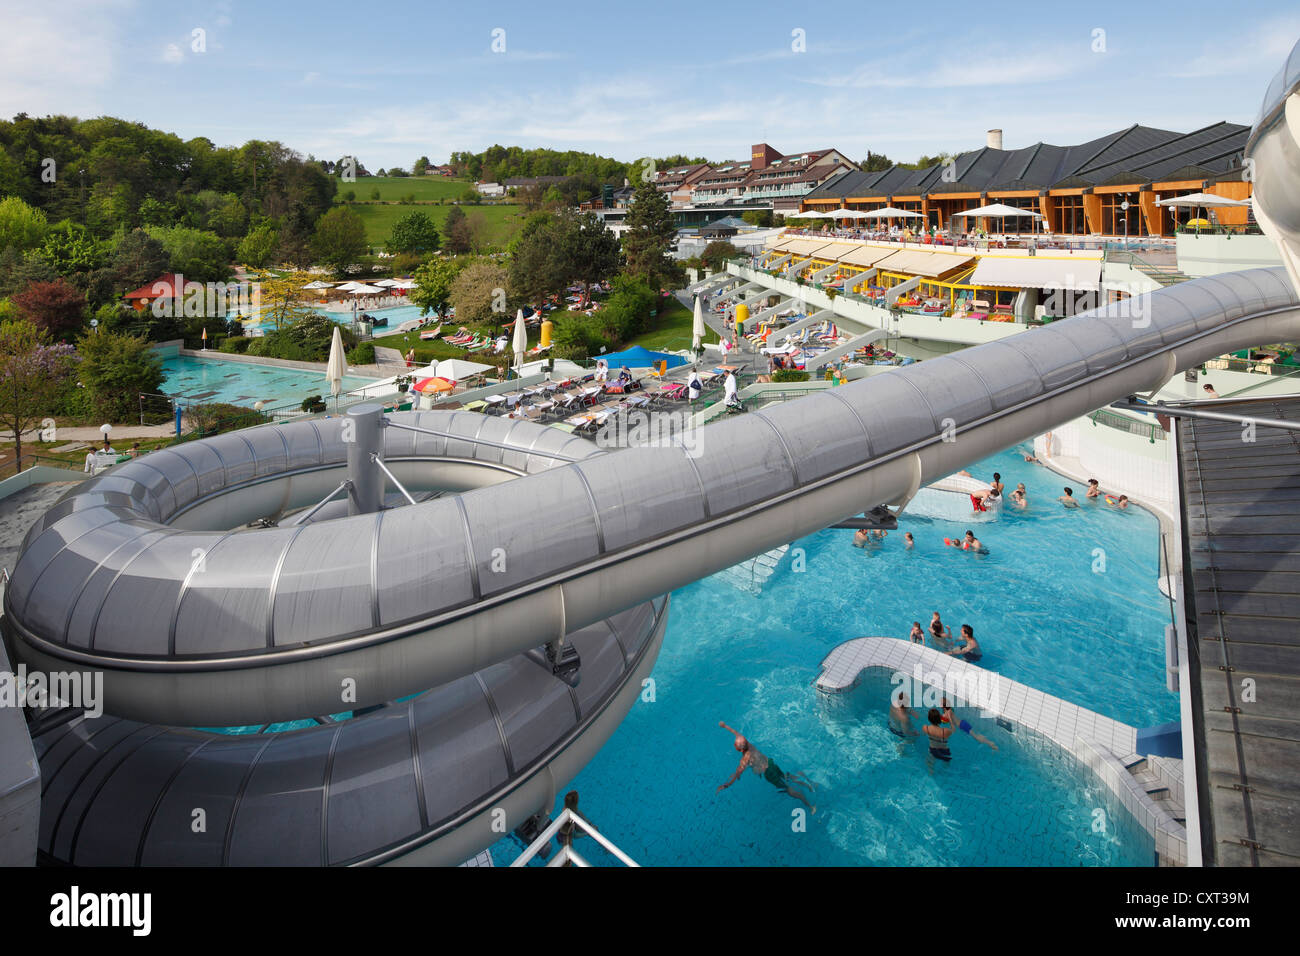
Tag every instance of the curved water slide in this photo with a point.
(279, 618)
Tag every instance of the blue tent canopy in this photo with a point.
(639, 357)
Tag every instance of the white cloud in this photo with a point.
(172, 54)
(1263, 45)
(59, 60)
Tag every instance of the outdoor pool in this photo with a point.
(210, 380)
(1044, 616)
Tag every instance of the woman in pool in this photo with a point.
(916, 635)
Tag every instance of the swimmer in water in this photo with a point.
(900, 716)
(908, 541)
(969, 651)
(861, 537)
(1068, 500)
(753, 759)
(1122, 503)
(1019, 497)
(963, 725)
(916, 635)
(971, 543)
(1094, 489)
(940, 633)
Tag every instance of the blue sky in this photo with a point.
(400, 79)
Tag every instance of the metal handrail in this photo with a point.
(1126, 423)
(567, 854)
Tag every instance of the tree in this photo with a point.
(876, 163)
(281, 299)
(69, 249)
(138, 258)
(421, 165)
(718, 252)
(56, 308)
(21, 226)
(433, 284)
(479, 293)
(340, 238)
(117, 369)
(414, 232)
(32, 373)
(650, 237)
(200, 255)
(257, 248)
(458, 236)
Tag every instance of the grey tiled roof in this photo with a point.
(1137, 154)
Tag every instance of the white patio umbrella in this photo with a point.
(521, 338)
(337, 366)
(891, 212)
(317, 284)
(811, 214)
(843, 213)
(999, 211)
(1207, 200)
(386, 283)
(697, 327)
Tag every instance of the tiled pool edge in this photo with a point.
(1096, 742)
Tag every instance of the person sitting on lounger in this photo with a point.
(753, 759)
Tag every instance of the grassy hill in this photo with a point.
(397, 188)
(498, 222)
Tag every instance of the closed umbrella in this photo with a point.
(521, 338)
(337, 366)
(697, 328)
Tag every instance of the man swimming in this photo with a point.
(1068, 500)
(971, 543)
(900, 718)
(753, 759)
(970, 649)
(861, 537)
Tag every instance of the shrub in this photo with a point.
(363, 354)
(117, 369)
(237, 346)
(217, 417)
(790, 375)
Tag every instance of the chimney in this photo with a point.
(995, 139)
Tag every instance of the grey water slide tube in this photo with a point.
(414, 598)
(428, 781)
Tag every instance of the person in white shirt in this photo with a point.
(729, 389)
(694, 387)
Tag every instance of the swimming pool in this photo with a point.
(1044, 618)
(192, 379)
(395, 316)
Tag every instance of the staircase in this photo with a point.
(1158, 788)
(751, 575)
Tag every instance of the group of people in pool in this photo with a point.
(968, 649)
(1094, 492)
(939, 727)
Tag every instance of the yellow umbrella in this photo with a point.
(1198, 224)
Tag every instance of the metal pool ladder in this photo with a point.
(567, 853)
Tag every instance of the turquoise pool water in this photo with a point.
(1043, 617)
(396, 316)
(238, 383)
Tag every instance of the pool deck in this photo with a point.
(1104, 746)
(1242, 517)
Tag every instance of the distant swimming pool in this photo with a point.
(1043, 617)
(240, 383)
(395, 316)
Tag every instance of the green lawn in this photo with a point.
(397, 188)
(672, 331)
(497, 222)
